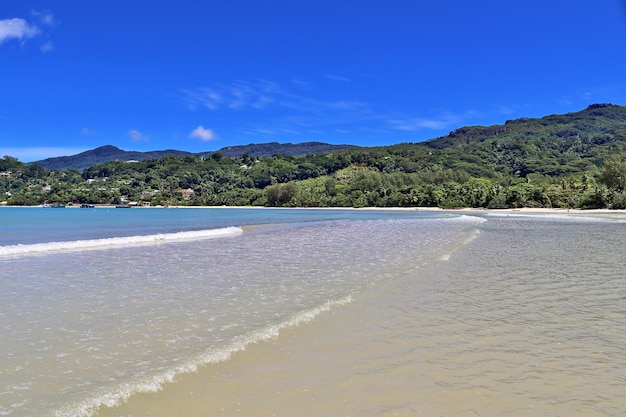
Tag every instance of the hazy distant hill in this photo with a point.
(275, 148)
(103, 154)
(111, 153)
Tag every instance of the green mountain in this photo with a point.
(553, 145)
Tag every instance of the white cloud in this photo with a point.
(17, 29)
(87, 131)
(203, 134)
(138, 136)
(21, 30)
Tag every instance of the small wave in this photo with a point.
(115, 396)
(446, 256)
(470, 218)
(90, 244)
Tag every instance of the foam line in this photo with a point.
(91, 244)
(117, 395)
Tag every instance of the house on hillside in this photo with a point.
(147, 195)
(187, 193)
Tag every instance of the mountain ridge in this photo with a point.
(108, 153)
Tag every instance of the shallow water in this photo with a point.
(380, 316)
(85, 328)
(528, 319)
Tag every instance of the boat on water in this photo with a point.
(87, 206)
(54, 205)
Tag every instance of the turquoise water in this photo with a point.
(25, 225)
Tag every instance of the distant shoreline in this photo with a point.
(523, 210)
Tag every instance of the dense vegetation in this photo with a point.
(574, 160)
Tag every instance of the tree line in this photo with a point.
(346, 179)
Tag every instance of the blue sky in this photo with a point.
(201, 75)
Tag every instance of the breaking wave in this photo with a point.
(92, 244)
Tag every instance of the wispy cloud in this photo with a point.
(237, 96)
(418, 124)
(444, 120)
(298, 108)
(45, 17)
(274, 109)
(301, 84)
(47, 47)
(202, 97)
(137, 136)
(259, 95)
(339, 78)
(203, 134)
(87, 131)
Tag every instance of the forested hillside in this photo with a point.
(572, 160)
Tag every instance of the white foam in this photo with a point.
(91, 244)
(119, 394)
(469, 218)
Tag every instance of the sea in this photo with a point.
(311, 312)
